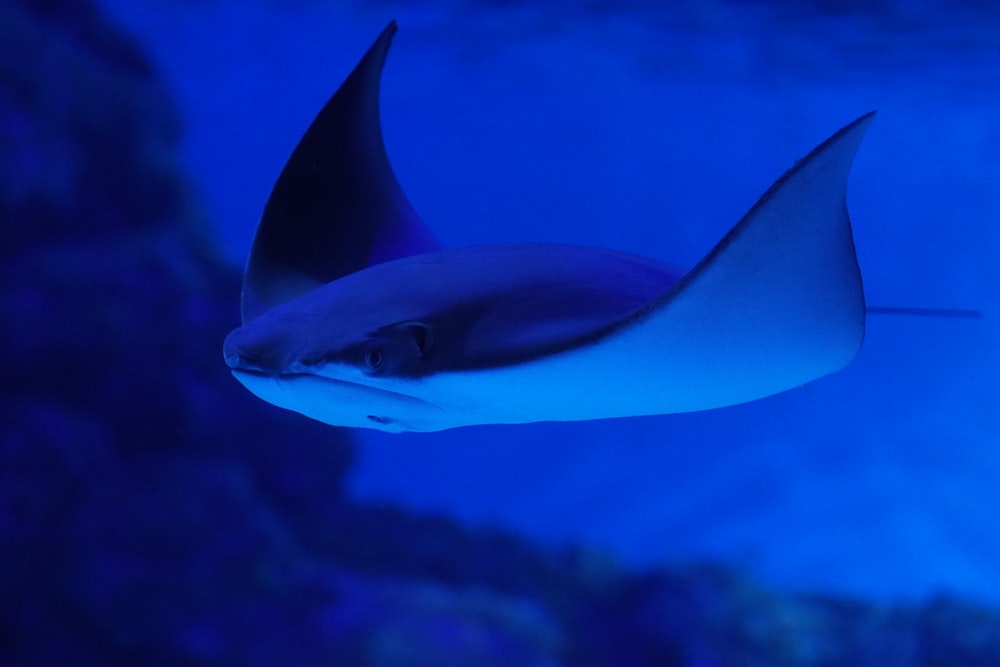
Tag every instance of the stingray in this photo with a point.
(354, 315)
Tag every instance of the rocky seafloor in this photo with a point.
(152, 512)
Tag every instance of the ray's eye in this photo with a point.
(374, 358)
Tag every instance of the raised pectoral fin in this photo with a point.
(779, 300)
(336, 208)
(776, 304)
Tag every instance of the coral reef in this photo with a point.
(152, 512)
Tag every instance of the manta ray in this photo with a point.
(354, 315)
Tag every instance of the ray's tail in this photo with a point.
(954, 313)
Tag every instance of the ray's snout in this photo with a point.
(234, 350)
(244, 351)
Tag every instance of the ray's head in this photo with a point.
(293, 343)
(339, 369)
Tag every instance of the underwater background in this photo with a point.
(154, 512)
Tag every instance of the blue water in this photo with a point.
(652, 131)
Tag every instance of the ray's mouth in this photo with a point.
(281, 389)
(239, 365)
(244, 354)
(243, 370)
(248, 370)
